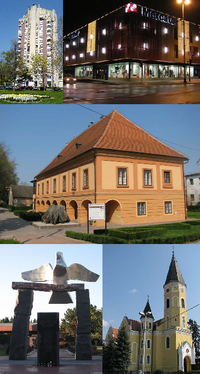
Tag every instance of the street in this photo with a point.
(131, 93)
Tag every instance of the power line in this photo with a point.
(164, 140)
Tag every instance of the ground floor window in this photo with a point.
(119, 70)
(168, 207)
(141, 207)
(84, 71)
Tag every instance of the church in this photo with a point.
(165, 344)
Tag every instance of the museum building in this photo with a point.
(115, 162)
(133, 42)
(165, 344)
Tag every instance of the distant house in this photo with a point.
(112, 332)
(115, 162)
(20, 195)
(6, 328)
(193, 188)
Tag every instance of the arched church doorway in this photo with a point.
(187, 364)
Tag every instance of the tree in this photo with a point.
(109, 357)
(122, 350)
(8, 175)
(11, 62)
(195, 329)
(116, 354)
(68, 327)
(39, 67)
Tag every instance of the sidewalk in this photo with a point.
(12, 227)
(68, 365)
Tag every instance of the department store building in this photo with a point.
(133, 42)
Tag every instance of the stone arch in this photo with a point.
(63, 203)
(187, 364)
(84, 210)
(113, 211)
(48, 203)
(73, 210)
(55, 202)
(38, 206)
(42, 206)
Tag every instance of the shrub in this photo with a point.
(30, 216)
(98, 239)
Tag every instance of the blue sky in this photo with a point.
(12, 10)
(36, 134)
(19, 258)
(132, 272)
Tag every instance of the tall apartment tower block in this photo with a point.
(37, 34)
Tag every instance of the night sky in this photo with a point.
(80, 13)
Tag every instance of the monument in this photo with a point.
(60, 274)
(55, 214)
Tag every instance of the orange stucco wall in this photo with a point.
(121, 200)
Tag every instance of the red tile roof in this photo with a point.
(6, 327)
(113, 132)
(115, 332)
(135, 325)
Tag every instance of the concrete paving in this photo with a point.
(68, 365)
(12, 227)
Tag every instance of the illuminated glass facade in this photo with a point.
(133, 42)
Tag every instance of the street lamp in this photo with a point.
(184, 2)
(145, 316)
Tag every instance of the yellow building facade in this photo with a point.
(165, 344)
(117, 163)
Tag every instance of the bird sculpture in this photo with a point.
(60, 275)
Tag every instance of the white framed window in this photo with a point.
(74, 180)
(64, 183)
(122, 176)
(168, 207)
(141, 208)
(167, 342)
(147, 178)
(85, 178)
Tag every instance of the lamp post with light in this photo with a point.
(145, 316)
(184, 2)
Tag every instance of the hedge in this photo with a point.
(193, 208)
(30, 216)
(98, 239)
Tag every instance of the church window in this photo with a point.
(148, 343)
(167, 342)
(142, 325)
(183, 322)
(141, 344)
(182, 303)
(150, 325)
(141, 359)
(167, 303)
(148, 359)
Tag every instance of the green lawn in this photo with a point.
(9, 241)
(55, 97)
(195, 215)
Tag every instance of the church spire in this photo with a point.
(174, 273)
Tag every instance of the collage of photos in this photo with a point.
(100, 187)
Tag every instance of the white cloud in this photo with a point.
(105, 323)
(133, 290)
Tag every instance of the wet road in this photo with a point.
(130, 93)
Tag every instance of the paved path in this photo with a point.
(68, 365)
(15, 227)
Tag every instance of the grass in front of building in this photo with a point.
(54, 97)
(194, 215)
(9, 241)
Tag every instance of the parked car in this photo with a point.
(198, 204)
(57, 89)
(69, 79)
(29, 88)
